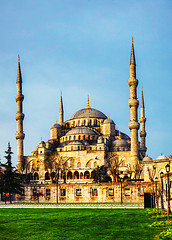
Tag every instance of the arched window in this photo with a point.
(69, 175)
(53, 176)
(36, 176)
(76, 175)
(47, 176)
(92, 174)
(81, 175)
(79, 137)
(30, 176)
(86, 175)
(88, 164)
(83, 137)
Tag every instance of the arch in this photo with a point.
(69, 175)
(36, 176)
(78, 165)
(69, 138)
(78, 122)
(83, 137)
(92, 174)
(84, 122)
(88, 164)
(79, 137)
(76, 175)
(30, 176)
(74, 137)
(81, 175)
(53, 174)
(95, 122)
(86, 175)
(71, 148)
(47, 176)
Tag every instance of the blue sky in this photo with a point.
(81, 48)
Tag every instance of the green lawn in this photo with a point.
(75, 224)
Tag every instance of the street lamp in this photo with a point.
(156, 195)
(167, 167)
(122, 179)
(162, 204)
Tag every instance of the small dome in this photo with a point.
(120, 143)
(76, 131)
(147, 158)
(108, 121)
(75, 143)
(88, 113)
(161, 157)
(56, 125)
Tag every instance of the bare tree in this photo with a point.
(113, 164)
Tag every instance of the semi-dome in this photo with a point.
(161, 157)
(120, 143)
(147, 158)
(75, 143)
(76, 131)
(88, 113)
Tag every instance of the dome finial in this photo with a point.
(119, 134)
(41, 138)
(56, 121)
(88, 104)
(108, 117)
(18, 58)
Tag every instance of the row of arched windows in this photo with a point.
(70, 175)
(85, 122)
(78, 137)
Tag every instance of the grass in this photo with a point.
(75, 224)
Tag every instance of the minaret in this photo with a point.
(142, 125)
(61, 112)
(133, 104)
(19, 118)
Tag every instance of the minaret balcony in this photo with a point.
(19, 135)
(133, 125)
(19, 116)
(132, 82)
(133, 102)
(142, 134)
(19, 98)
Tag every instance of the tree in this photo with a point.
(10, 180)
(100, 175)
(113, 164)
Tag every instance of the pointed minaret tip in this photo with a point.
(132, 57)
(18, 58)
(88, 102)
(142, 100)
(61, 93)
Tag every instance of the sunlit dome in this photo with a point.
(161, 157)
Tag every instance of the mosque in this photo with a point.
(62, 168)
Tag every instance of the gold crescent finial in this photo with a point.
(88, 104)
(56, 121)
(41, 139)
(108, 117)
(61, 93)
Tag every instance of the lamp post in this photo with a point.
(122, 179)
(167, 167)
(156, 195)
(162, 204)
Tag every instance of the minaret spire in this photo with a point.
(19, 118)
(142, 125)
(133, 104)
(61, 112)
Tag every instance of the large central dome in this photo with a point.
(88, 113)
